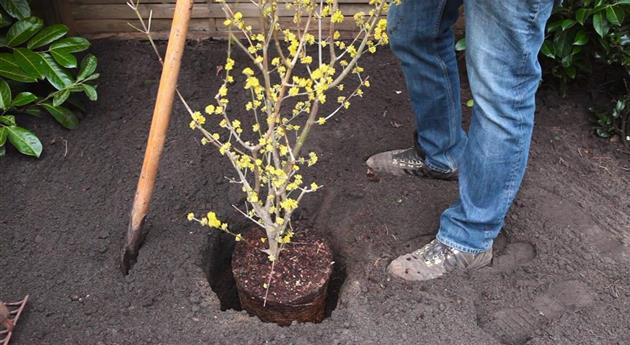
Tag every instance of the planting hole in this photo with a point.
(217, 264)
(217, 259)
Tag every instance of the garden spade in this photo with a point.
(157, 132)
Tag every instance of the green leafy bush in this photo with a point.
(38, 74)
(583, 33)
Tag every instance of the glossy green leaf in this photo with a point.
(56, 75)
(63, 58)
(553, 26)
(22, 30)
(3, 136)
(34, 111)
(47, 35)
(562, 45)
(63, 115)
(30, 62)
(24, 141)
(16, 8)
(8, 120)
(580, 15)
(567, 24)
(5, 95)
(615, 15)
(5, 20)
(88, 66)
(60, 97)
(90, 92)
(23, 98)
(10, 69)
(600, 24)
(92, 77)
(461, 45)
(580, 38)
(71, 45)
(546, 50)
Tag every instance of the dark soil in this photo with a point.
(561, 273)
(294, 287)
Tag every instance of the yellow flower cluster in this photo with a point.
(211, 220)
(286, 238)
(289, 204)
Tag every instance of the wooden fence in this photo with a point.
(112, 17)
(105, 18)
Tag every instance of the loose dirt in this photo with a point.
(561, 273)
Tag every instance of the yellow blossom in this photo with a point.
(312, 158)
(197, 117)
(337, 17)
(224, 148)
(213, 221)
(248, 71)
(223, 91)
(190, 216)
(289, 204)
(229, 64)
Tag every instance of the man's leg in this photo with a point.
(422, 39)
(503, 41)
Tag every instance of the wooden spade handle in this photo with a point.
(157, 133)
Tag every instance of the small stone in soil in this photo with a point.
(372, 176)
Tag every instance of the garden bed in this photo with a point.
(560, 275)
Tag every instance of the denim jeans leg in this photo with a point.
(422, 39)
(503, 41)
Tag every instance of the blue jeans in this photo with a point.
(503, 40)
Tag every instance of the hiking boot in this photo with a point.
(409, 161)
(434, 260)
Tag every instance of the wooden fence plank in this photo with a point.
(111, 17)
(196, 24)
(165, 11)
